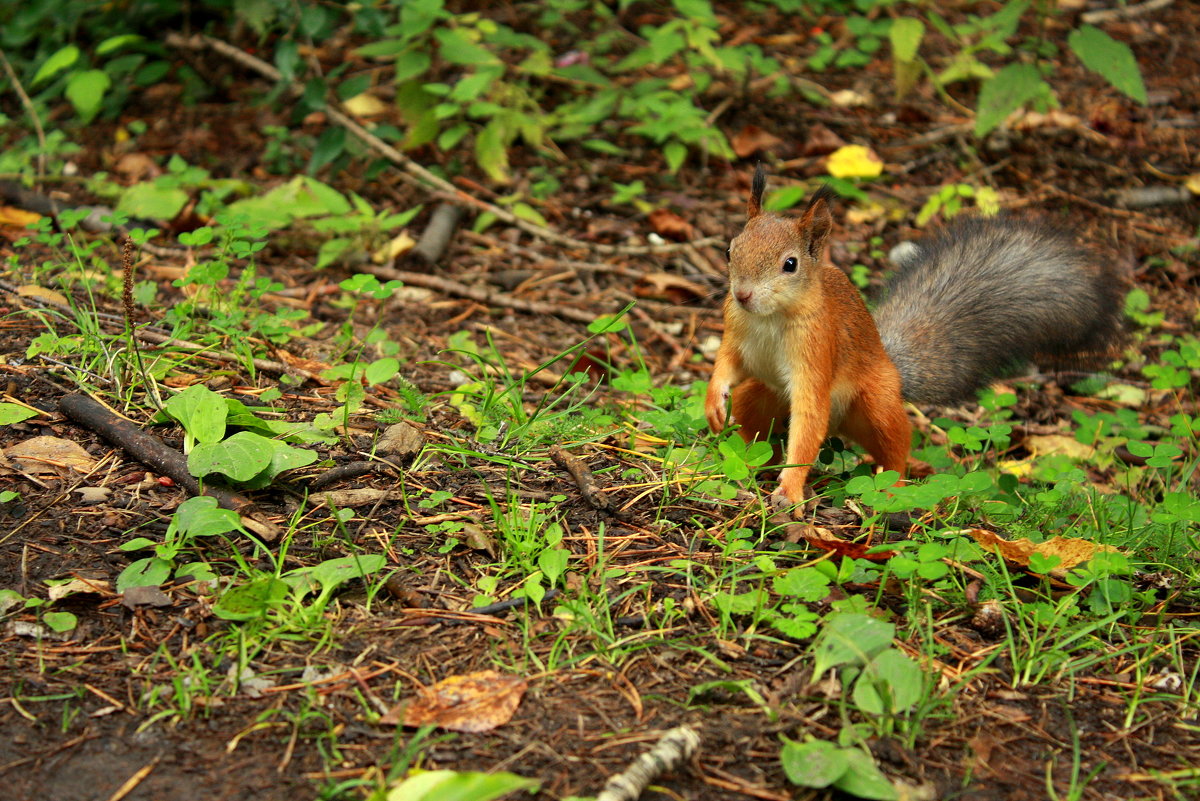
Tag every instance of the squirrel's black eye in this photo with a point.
(728, 254)
(790, 264)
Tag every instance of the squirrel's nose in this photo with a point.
(743, 296)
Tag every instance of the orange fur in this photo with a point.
(801, 349)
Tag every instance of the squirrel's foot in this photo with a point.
(779, 502)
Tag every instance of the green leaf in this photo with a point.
(58, 62)
(14, 413)
(331, 251)
(1005, 92)
(849, 639)
(491, 151)
(137, 544)
(449, 785)
(251, 600)
(553, 562)
(333, 572)
(200, 411)
(60, 621)
(905, 35)
(86, 91)
(150, 201)
(148, 572)
(381, 370)
(116, 43)
(202, 517)
(784, 198)
(816, 763)
(675, 153)
(456, 48)
(528, 213)
(1113, 60)
(864, 779)
(241, 457)
(891, 683)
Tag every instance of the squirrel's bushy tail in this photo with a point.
(986, 295)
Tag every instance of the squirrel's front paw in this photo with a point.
(779, 501)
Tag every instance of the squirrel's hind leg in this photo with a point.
(759, 412)
(877, 421)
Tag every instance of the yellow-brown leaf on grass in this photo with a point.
(44, 295)
(670, 225)
(1044, 445)
(1193, 183)
(1071, 551)
(49, 455)
(366, 105)
(854, 161)
(752, 139)
(474, 702)
(17, 218)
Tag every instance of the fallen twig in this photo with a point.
(674, 748)
(586, 482)
(155, 454)
(438, 233)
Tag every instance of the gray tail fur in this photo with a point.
(987, 295)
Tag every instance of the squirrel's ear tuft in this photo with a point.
(816, 223)
(757, 187)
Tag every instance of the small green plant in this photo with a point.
(195, 518)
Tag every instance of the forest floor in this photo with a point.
(144, 694)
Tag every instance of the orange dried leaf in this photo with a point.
(670, 225)
(1071, 551)
(752, 139)
(474, 702)
(17, 218)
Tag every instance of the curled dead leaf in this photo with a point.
(1071, 551)
(670, 225)
(751, 140)
(473, 702)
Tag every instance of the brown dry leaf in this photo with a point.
(474, 702)
(366, 105)
(667, 286)
(826, 540)
(670, 225)
(1071, 551)
(78, 586)
(17, 218)
(47, 455)
(821, 140)
(41, 293)
(136, 167)
(752, 139)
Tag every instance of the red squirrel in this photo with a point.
(801, 350)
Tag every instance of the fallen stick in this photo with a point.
(155, 454)
(672, 750)
(437, 235)
(586, 482)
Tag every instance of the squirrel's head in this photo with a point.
(773, 261)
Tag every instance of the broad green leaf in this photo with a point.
(491, 152)
(148, 572)
(528, 213)
(331, 251)
(202, 517)
(334, 572)
(1005, 92)
(864, 779)
(449, 785)
(816, 763)
(60, 621)
(86, 91)
(251, 600)
(849, 639)
(381, 370)
(241, 457)
(14, 413)
(59, 61)
(456, 48)
(150, 201)
(1113, 60)
(905, 35)
(200, 411)
(890, 684)
(553, 562)
(137, 544)
(116, 43)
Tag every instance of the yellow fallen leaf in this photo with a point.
(17, 218)
(1193, 183)
(1021, 468)
(1071, 551)
(47, 455)
(399, 244)
(365, 105)
(41, 293)
(854, 161)
(1047, 444)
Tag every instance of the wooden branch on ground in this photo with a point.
(586, 482)
(674, 749)
(415, 172)
(155, 454)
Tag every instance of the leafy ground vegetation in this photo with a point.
(425, 298)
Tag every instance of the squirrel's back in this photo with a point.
(985, 295)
